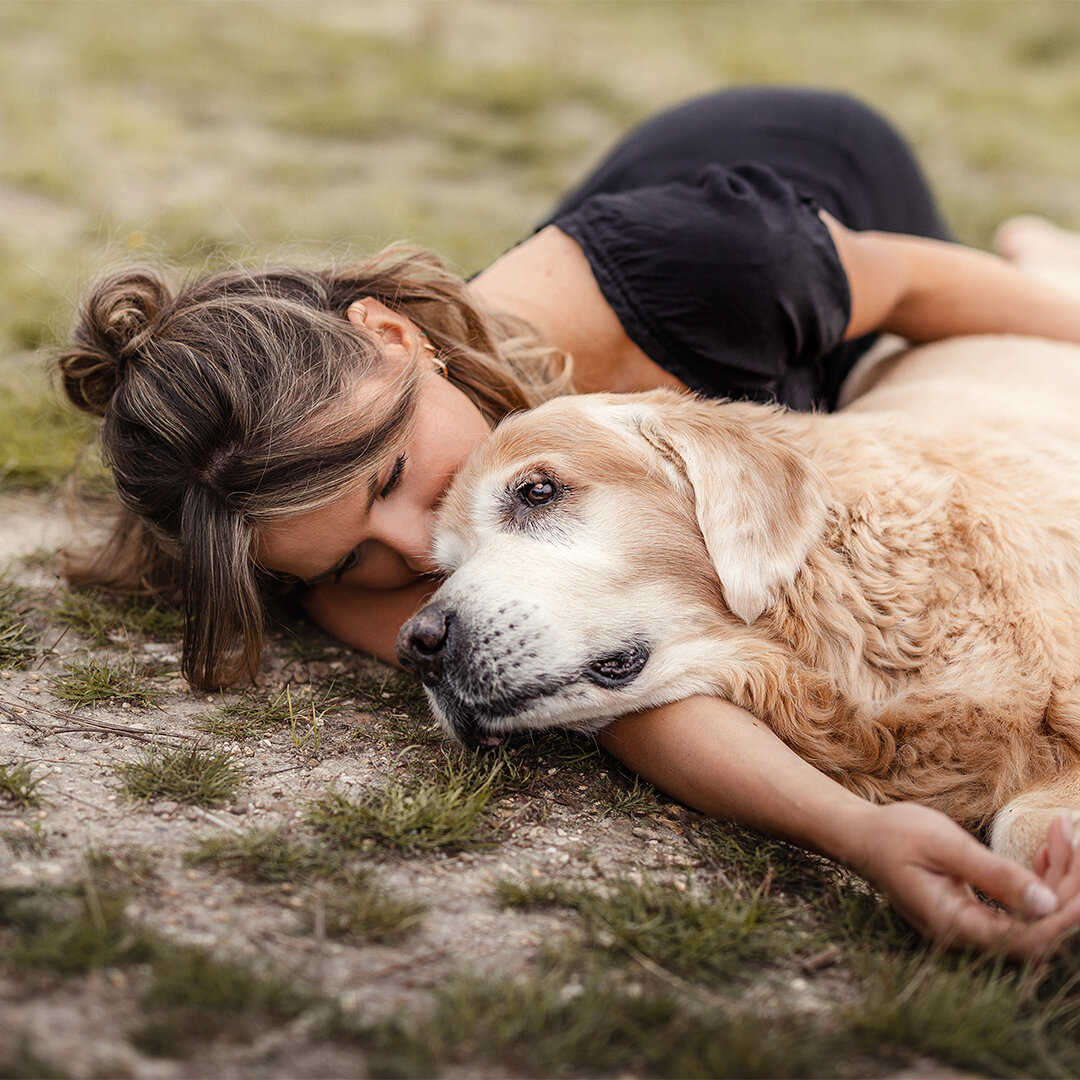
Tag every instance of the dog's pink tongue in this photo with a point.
(490, 740)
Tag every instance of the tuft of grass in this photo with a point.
(448, 811)
(16, 637)
(115, 620)
(983, 1015)
(251, 717)
(267, 856)
(192, 775)
(361, 911)
(19, 785)
(100, 680)
(352, 907)
(707, 939)
(195, 996)
(574, 1020)
(69, 931)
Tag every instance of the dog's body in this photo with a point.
(894, 588)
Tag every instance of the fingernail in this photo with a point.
(1067, 826)
(1039, 900)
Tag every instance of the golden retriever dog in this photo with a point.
(893, 588)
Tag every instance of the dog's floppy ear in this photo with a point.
(760, 503)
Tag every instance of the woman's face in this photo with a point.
(378, 535)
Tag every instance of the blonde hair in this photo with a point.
(222, 405)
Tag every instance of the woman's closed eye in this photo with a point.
(347, 563)
(394, 478)
(355, 556)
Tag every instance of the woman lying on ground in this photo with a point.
(297, 427)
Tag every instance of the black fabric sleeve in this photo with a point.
(732, 282)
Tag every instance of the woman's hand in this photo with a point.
(927, 865)
(724, 762)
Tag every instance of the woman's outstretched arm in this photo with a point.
(724, 762)
(721, 760)
(926, 290)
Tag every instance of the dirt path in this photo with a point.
(83, 1024)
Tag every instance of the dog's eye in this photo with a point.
(538, 490)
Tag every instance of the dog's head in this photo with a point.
(596, 547)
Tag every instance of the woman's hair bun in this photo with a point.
(115, 323)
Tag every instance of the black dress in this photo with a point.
(702, 231)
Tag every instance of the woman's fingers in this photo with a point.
(1058, 852)
(927, 865)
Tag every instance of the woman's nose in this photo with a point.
(410, 536)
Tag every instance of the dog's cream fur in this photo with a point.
(894, 588)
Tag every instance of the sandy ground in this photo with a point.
(81, 1024)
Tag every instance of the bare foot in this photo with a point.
(1030, 239)
(1042, 250)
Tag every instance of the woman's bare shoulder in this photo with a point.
(548, 281)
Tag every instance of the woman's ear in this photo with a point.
(357, 313)
(375, 317)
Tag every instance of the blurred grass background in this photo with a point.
(206, 132)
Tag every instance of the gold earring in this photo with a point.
(436, 359)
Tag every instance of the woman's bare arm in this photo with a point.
(723, 761)
(367, 619)
(926, 290)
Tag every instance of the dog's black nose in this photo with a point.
(421, 644)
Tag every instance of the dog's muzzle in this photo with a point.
(478, 687)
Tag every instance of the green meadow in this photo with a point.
(302, 878)
(202, 133)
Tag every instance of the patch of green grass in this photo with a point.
(42, 440)
(195, 996)
(16, 638)
(579, 1020)
(196, 776)
(100, 680)
(834, 903)
(266, 856)
(250, 717)
(115, 620)
(350, 906)
(19, 785)
(983, 1015)
(359, 910)
(192, 996)
(69, 931)
(447, 811)
(706, 938)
